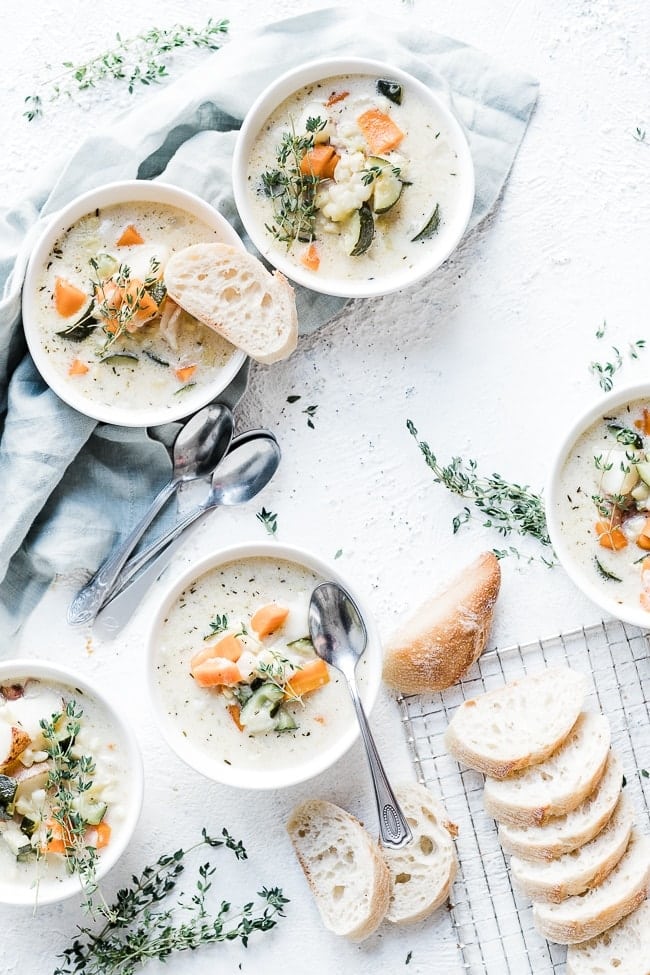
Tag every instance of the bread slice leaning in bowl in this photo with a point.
(585, 916)
(517, 725)
(559, 783)
(447, 634)
(562, 834)
(582, 868)
(623, 949)
(343, 866)
(229, 290)
(424, 870)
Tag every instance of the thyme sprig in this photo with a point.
(293, 193)
(139, 60)
(138, 928)
(269, 519)
(138, 297)
(507, 507)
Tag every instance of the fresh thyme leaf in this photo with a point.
(269, 519)
(134, 60)
(217, 625)
(605, 573)
(645, 773)
(138, 927)
(605, 372)
(408, 958)
(339, 553)
(600, 331)
(293, 398)
(311, 412)
(507, 507)
(639, 134)
(625, 436)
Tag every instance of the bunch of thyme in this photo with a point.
(137, 928)
(507, 507)
(293, 193)
(139, 60)
(116, 318)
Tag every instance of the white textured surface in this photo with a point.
(489, 359)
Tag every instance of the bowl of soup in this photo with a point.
(71, 784)
(99, 324)
(237, 689)
(598, 504)
(352, 177)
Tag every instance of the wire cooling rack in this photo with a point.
(494, 923)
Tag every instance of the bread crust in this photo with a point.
(447, 633)
(623, 950)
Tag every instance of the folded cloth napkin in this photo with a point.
(70, 487)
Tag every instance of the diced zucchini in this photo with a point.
(430, 227)
(387, 190)
(258, 714)
(301, 645)
(120, 359)
(28, 826)
(105, 265)
(17, 842)
(391, 90)
(362, 230)
(82, 328)
(8, 786)
(91, 810)
(284, 720)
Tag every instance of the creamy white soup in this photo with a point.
(604, 504)
(354, 175)
(107, 324)
(237, 675)
(63, 771)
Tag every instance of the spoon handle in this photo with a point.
(86, 604)
(394, 831)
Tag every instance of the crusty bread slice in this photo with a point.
(621, 950)
(444, 637)
(561, 834)
(587, 915)
(423, 871)
(559, 783)
(516, 725)
(343, 866)
(232, 292)
(585, 867)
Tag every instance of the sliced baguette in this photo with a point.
(516, 725)
(621, 950)
(559, 783)
(232, 292)
(447, 633)
(343, 866)
(583, 868)
(587, 915)
(423, 871)
(562, 834)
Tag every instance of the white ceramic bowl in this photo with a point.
(129, 191)
(179, 738)
(436, 250)
(50, 890)
(581, 570)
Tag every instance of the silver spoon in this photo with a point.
(248, 467)
(199, 445)
(339, 636)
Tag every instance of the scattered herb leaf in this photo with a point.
(605, 573)
(339, 553)
(408, 957)
(293, 399)
(218, 625)
(269, 519)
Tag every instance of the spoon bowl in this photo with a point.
(339, 636)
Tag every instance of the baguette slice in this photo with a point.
(447, 633)
(583, 868)
(621, 950)
(229, 290)
(556, 785)
(423, 871)
(517, 725)
(343, 866)
(562, 834)
(587, 915)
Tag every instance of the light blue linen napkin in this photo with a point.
(69, 488)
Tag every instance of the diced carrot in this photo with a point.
(184, 373)
(147, 307)
(610, 536)
(129, 236)
(78, 368)
(379, 131)
(234, 711)
(320, 161)
(55, 842)
(643, 538)
(268, 619)
(644, 423)
(310, 257)
(68, 299)
(217, 672)
(228, 648)
(336, 96)
(309, 678)
(103, 835)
